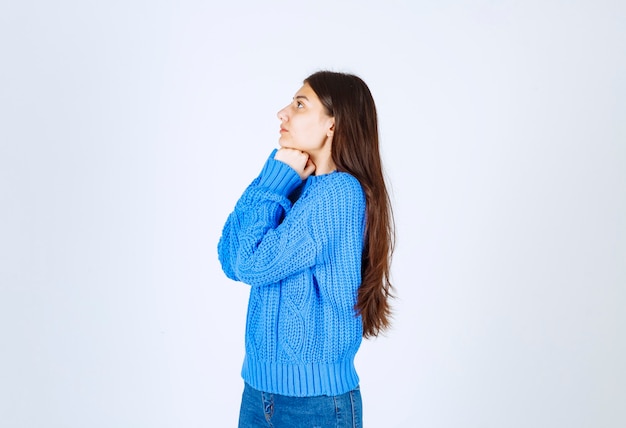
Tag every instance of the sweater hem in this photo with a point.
(301, 380)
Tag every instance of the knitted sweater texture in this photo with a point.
(298, 245)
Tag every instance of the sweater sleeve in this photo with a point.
(257, 246)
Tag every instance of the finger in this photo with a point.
(291, 157)
(309, 168)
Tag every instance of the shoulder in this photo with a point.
(347, 180)
(335, 192)
(340, 185)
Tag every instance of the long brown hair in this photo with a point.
(355, 150)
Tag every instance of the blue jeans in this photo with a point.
(261, 409)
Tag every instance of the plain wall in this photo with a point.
(128, 129)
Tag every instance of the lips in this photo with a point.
(282, 130)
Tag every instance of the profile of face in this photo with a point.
(305, 125)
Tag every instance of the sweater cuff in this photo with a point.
(278, 176)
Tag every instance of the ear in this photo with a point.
(331, 127)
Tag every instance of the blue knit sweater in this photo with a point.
(298, 244)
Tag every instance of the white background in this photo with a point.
(128, 129)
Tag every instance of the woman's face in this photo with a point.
(304, 124)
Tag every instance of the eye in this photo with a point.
(299, 105)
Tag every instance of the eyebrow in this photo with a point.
(300, 96)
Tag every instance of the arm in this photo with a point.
(255, 247)
(258, 248)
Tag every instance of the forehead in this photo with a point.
(306, 92)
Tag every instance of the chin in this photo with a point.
(286, 145)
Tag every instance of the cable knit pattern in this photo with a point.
(298, 245)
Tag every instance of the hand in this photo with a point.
(299, 161)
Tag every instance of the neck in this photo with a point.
(323, 165)
(323, 160)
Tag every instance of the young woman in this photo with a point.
(313, 236)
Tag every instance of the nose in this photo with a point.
(282, 115)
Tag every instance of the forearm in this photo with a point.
(249, 244)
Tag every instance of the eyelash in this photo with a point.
(299, 105)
